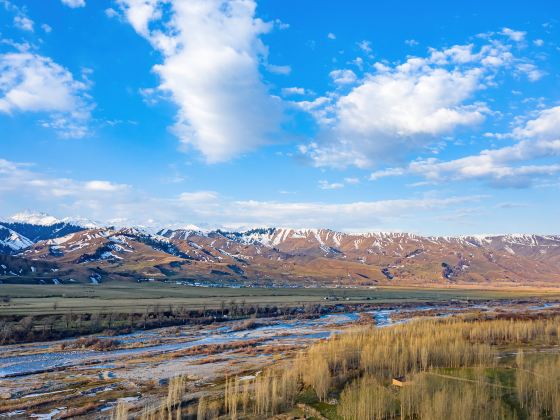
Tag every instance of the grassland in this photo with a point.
(139, 297)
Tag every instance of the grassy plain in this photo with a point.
(137, 297)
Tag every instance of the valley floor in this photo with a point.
(129, 297)
(103, 375)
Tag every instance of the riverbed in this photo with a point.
(60, 375)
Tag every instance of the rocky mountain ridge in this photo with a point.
(274, 256)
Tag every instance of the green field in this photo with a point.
(47, 299)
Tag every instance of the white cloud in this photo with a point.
(392, 113)
(21, 178)
(343, 77)
(281, 25)
(212, 54)
(410, 103)
(67, 127)
(105, 186)
(386, 173)
(406, 108)
(508, 205)
(538, 42)
(411, 42)
(516, 36)
(510, 166)
(326, 185)
(335, 154)
(365, 46)
(488, 166)
(198, 197)
(111, 13)
(74, 3)
(151, 96)
(532, 72)
(23, 23)
(358, 62)
(33, 83)
(546, 126)
(352, 181)
(293, 91)
(20, 20)
(122, 204)
(344, 216)
(285, 70)
(46, 28)
(330, 35)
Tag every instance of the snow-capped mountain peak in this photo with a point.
(44, 219)
(42, 226)
(81, 222)
(268, 255)
(34, 218)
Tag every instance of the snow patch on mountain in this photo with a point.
(12, 240)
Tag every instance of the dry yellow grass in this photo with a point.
(357, 366)
(454, 366)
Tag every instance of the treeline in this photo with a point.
(266, 395)
(427, 397)
(449, 368)
(29, 328)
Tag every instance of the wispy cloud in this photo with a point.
(343, 77)
(352, 180)
(514, 35)
(277, 69)
(108, 201)
(326, 185)
(21, 178)
(74, 3)
(23, 23)
(292, 91)
(510, 166)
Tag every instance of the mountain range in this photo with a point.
(38, 248)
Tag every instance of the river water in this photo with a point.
(21, 363)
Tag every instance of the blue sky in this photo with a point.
(430, 117)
